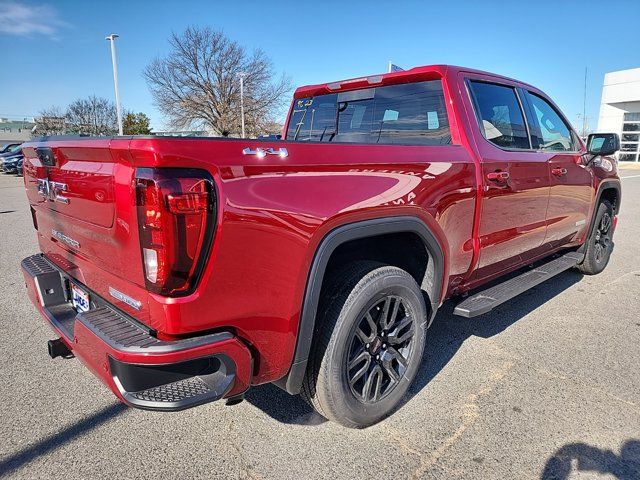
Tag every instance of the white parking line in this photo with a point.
(631, 176)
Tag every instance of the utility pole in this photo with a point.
(242, 75)
(584, 106)
(112, 39)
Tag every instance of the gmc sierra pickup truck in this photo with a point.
(184, 270)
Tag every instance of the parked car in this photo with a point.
(316, 262)
(5, 148)
(20, 166)
(8, 159)
(10, 164)
(11, 151)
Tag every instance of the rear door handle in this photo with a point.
(499, 177)
(558, 172)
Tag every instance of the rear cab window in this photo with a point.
(406, 114)
(313, 119)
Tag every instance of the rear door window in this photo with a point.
(500, 115)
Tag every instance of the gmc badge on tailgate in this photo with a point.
(51, 190)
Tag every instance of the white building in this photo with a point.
(620, 111)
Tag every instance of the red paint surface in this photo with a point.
(273, 213)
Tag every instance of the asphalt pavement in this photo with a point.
(546, 386)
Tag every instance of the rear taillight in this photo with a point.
(176, 217)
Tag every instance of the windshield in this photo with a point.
(409, 114)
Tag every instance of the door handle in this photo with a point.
(558, 172)
(499, 177)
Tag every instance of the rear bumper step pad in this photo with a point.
(486, 300)
(144, 371)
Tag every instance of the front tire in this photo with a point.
(600, 242)
(369, 346)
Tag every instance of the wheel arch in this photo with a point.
(608, 189)
(433, 281)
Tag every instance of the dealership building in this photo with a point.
(620, 111)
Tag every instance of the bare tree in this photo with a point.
(50, 122)
(92, 116)
(197, 84)
(272, 128)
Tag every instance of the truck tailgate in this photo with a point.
(81, 195)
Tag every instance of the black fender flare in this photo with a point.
(292, 382)
(606, 184)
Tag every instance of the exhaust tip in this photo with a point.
(57, 348)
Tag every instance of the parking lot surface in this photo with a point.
(546, 386)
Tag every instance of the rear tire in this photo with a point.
(600, 242)
(369, 346)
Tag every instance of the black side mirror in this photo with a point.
(603, 144)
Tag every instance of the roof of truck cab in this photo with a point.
(425, 72)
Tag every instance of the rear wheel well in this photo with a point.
(404, 250)
(402, 241)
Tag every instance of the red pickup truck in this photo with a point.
(183, 270)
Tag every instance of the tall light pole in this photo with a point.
(242, 75)
(112, 39)
(584, 105)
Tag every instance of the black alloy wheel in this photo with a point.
(380, 348)
(602, 238)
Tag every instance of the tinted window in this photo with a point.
(556, 134)
(355, 117)
(313, 119)
(413, 114)
(500, 115)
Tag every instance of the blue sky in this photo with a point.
(55, 51)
